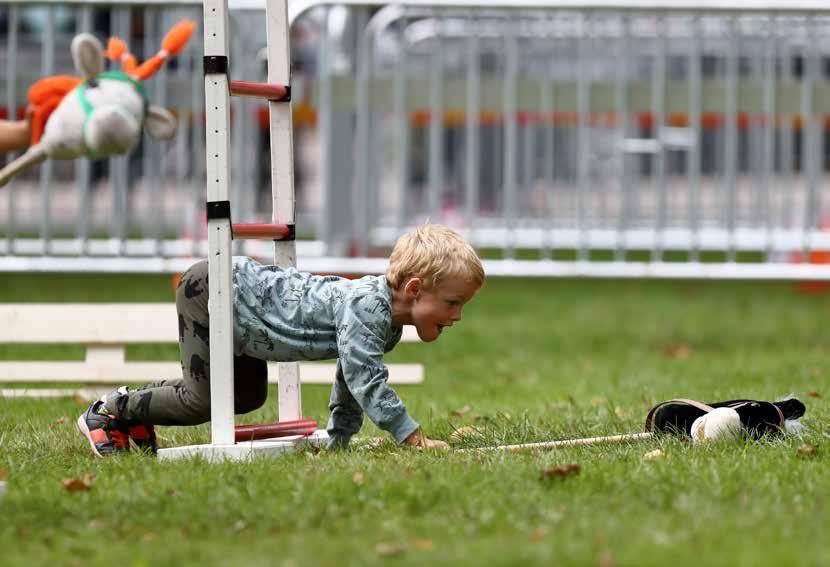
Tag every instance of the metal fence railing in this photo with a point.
(583, 138)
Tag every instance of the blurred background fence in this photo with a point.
(605, 139)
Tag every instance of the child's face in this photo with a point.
(440, 306)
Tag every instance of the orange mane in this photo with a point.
(173, 43)
(45, 95)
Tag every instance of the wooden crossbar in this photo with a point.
(98, 323)
(261, 231)
(106, 328)
(266, 91)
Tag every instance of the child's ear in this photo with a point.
(413, 287)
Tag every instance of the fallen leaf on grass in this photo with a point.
(172, 493)
(357, 478)
(96, 524)
(148, 537)
(3, 474)
(538, 535)
(239, 526)
(606, 559)
(60, 421)
(562, 471)
(423, 544)
(387, 549)
(652, 455)
(461, 412)
(78, 484)
(807, 450)
(462, 432)
(680, 351)
(599, 401)
(814, 395)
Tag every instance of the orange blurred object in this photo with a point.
(45, 96)
(176, 279)
(814, 257)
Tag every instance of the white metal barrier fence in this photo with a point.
(613, 138)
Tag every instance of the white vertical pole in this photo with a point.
(217, 152)
(282, 179)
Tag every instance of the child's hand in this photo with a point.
(417, 439)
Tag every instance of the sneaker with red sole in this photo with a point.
(143, 438)
(105, 434)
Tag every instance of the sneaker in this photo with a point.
(143, 438)
(106, 436)
(120, 391)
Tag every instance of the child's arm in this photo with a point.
(15, 135)
(347, 418)
(361, 385)
(346, 414)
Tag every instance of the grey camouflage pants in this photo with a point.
(186, 400)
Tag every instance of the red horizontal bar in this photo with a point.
(272, 430)
(258, 90)
(260, 231)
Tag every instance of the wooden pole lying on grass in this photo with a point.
(545, 445)
(274, 430)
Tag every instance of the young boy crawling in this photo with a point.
(285, 315)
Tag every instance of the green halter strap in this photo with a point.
(115, 75)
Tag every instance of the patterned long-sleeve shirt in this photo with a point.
(286, 315)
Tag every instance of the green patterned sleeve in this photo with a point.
(362, 374)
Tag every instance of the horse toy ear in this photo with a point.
(87, 53)
(160, 124)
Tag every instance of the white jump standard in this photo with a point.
(220, 232)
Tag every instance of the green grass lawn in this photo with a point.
(532, 360)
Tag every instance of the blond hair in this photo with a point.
(433, 252)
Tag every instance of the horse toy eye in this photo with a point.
(92, 84)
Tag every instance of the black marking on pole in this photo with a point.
(218, 210)
(213, 64)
